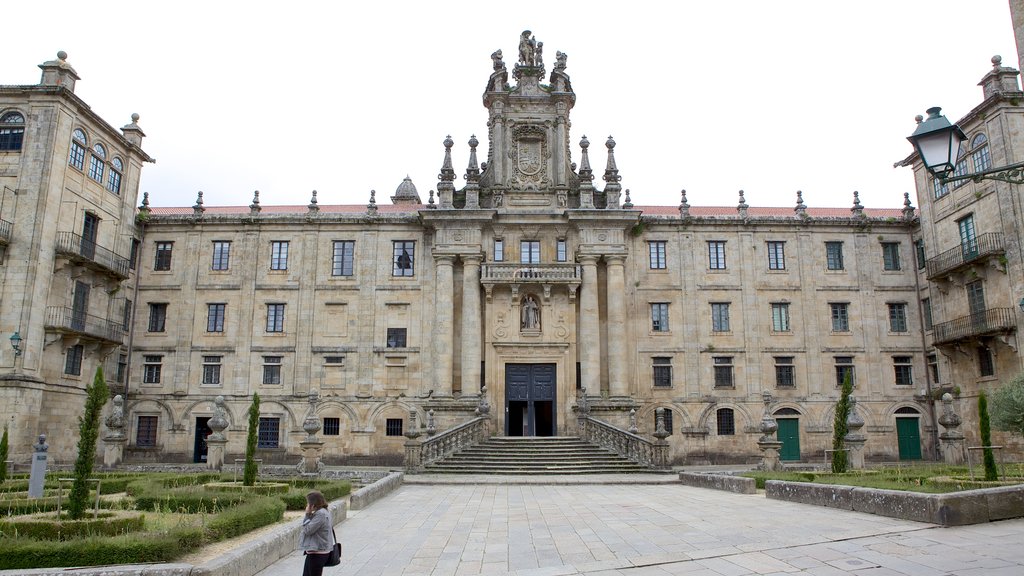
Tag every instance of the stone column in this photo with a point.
(115, 439)
(443, 324)
(470, 323)
(854, 439)
(617, 349)
(589, 343)
(952, 440)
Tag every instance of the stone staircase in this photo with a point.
(534, 455)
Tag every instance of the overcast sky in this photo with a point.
(715, 96)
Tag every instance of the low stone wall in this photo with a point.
(950, 509)
(369, 494)
(736, 484)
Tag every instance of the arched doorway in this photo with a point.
(788, 420)
(908, 433)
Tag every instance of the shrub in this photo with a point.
(249, 475)
(25, 553)
(49, 530)
(88, 431)
(1008, 406)
(246, 517)
(839, 429)
(295, 499)
(3, 456)
(986, 438)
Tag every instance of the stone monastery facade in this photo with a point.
(529, 287)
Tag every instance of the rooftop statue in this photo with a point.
(528, 49)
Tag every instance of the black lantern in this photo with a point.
(16, 343)
(938, 143)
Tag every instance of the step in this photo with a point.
(507, 455)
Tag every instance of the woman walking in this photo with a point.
(317, 536)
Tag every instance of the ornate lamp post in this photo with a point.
(938, 144)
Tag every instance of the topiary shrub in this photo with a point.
(49, 530)
(249, 475)
(991, 473)
(246, 517)
(3, 456)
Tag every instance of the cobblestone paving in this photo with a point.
(658, 530)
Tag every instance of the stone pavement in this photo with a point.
(489, 526)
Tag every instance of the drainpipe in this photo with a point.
(927, 373)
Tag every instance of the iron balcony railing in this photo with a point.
(89, 252)
(496, 273)
(5, 231)
(67, 319)
(967, 252)
(984, 323)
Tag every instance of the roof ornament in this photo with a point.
(559, 79)
(371, 208)
(499, 78)
(430, 202)
(445, 186)
(313, 207)
(684, 206)
(611, 176)
(528, 54)
(254, 208)
(742, 206)
(473, 176)
(628, 204)
(586, 176)
(144, 210)
(858, 208)
(801, 208)
(908, 210)
(198, 209)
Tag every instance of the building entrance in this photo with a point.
(202, 431)
(530, 399)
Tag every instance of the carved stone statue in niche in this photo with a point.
(530, 313)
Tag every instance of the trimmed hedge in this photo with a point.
(68, 529)
(262, 488)
(246, 518)
(295, 499)
(25, 553)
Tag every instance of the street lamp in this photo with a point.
(16, 343)
(938, 144)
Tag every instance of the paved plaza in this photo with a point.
(659, 529)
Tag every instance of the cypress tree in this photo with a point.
(3, 456)
(249, 475)
(839, 458)
(991, 473)
(88, 432)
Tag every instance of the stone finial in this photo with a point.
(858, 208)
(768, 423)
(632, 421)
(628, 204)
(406, 193)
(483, 407)
(560, 58)
(1000, 79)
(472, 176)
(582, 404)
(431, 426)
(854, 423)
(611, 176)
(255, 208)
(919, 118)
(908, 210)
(430, 202)
(371, 207)
(312, 424)
(445, 186)
(145, 203)
(58, 72)
(219, 422)
(801, 208)
(198, 208)
(684, 206)
(741, 208)
(313, 206)
(950, 420)
(132, 132)
(414, 428)
(586, 175)
(115, 422)
(659, 424)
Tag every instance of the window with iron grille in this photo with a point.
(275, 317)
(269, 435)
(668, 420)
(840, 316)
(73, 360)
(785, 372)
(393, 427)
(334, 360)
(926, 306)
(844, 366)
(76, 158)
(215, 317)
(403, 258)
(904, 372)
(897, 317)
(662, 371)
(716, 254)
(776, 255)
(145, 431)
(221, 255)
(726, 422)
(834, 255)
(211, 370)
(157, 316)
(162, 261)
(12, 131)
(272, 370)
(561, 250)
(780, 317)
(499, 250)
(986, 365)
(529, 252)
(723, 372)
(279, 255)
(659, 317)
(890, 256)
(332, 426)
(152, 365)
(656, 252)
(114, 180)
(719, 316)
(342, 258)
(396, 338)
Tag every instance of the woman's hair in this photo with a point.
(316, 499)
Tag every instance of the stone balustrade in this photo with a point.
(653, 454)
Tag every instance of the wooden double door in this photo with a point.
(530, 400)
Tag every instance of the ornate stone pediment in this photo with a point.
(529, 155)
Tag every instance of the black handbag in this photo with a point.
(334, 558)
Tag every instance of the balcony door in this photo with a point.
(90, 224)
(79, 306)
(968, 238)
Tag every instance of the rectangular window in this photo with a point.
(723, 372)
(151, 368)
(393, 427)
(122, 368)
(275, 317)
(933, 367)
(656, 251)
(126, 316)
(662, 371)
(269, 435)
(403, 258)
(334, 360)
(976, 300)
(332, 426)
(396, 338)
(157, 316)
(77, 156)
(785, 373)
(659, 317)
(221, 255)
(133, 254)
(897, 317)
(844, 366)
(904, 372)
(145, 432)
(780, 317)
(840, 316)
(776, 255)
(968, 237)
(561, 250)
(926, 306)
(890, 256)
(211, 369)
(272, 370)
(499, 250)
(162, 261)
(726, 422)
(716, 254)
(342, 257)
(279, 255)
(529, 252)
(720, 317)
(834, 255)
(114, 180)
(96, 168)
(919, 250)
(73, 360)
(215, 317)
(986, 365)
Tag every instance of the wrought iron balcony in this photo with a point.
(966, 253)
(501, 273)
(5, 232)
(70, 321)
(91, 255)
(984, 323)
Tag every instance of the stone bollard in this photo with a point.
(952, 440)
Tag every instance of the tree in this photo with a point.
(986, 438)
(249, 475)
(3, 456)
(1008, 406)
(88, 432)
(840, 461)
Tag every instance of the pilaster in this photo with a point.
(444, 338)
(470, 322)
(617, 383)
(590, 329)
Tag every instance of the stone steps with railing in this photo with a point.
(534, 455)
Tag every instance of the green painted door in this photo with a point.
(789, 435)
(908, 433)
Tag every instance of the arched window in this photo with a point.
(76, 157)
(726, 422)
(980, 154)
(96, 162)
(12, 131)
(961, 169)
(114, 179)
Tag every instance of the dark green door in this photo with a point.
(908, 433)
(789, 435)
